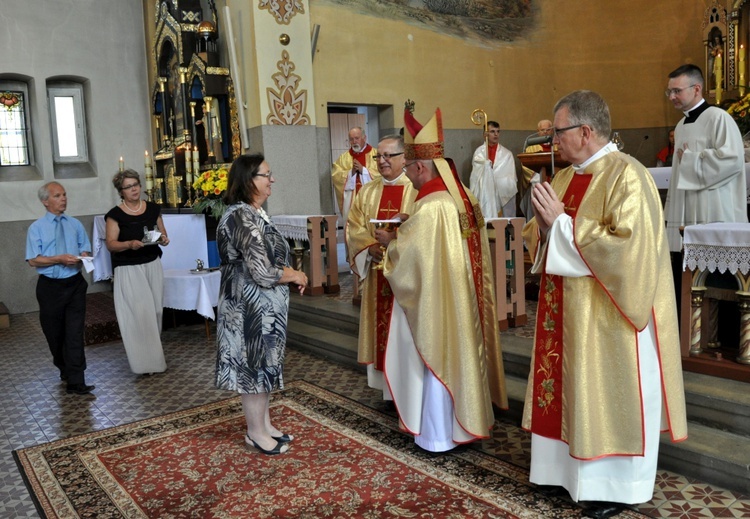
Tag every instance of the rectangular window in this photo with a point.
(14, 147)
(68, 123)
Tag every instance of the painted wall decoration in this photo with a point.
(282, 10)
(488, 21)
(287, 106)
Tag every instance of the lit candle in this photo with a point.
(148, 173)
(196, 160)
(188, 160)
(122, 164)
(188, 166)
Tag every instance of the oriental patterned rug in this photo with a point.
(347, 460)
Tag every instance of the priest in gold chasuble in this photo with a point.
(352, 170)
(606, 371)
(380, 199)
(443, 363)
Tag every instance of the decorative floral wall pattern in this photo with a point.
(287, 106)
(282, 10)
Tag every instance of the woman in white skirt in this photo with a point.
(138, 275)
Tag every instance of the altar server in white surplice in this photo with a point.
(493, 176)
(708, 170)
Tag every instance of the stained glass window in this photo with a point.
(14, 149)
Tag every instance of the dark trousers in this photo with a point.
(62, 312)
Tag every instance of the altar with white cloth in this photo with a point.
(320, 232)
(708, 248)
(183, 290)
(187, 243)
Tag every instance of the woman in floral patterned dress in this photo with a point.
(253, 301)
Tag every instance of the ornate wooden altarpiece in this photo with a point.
(726, 36)
(192, 100)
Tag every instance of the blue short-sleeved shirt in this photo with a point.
(40, 241)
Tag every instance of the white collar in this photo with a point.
(393, 182)
(606, 149)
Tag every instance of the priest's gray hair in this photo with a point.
(589, 108)
(399, 139)
(692, 72)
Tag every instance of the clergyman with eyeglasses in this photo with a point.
(382, 199)
(708, 166)
(605, 372)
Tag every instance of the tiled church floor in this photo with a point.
(34, 408)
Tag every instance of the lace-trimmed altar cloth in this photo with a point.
(717, 246)
(293, 227)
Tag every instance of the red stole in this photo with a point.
(546, 418)
(491, 152)
(360, 157)
(390, 206)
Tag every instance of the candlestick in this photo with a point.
(122, 164)
(196, 161)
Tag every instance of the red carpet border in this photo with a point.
(347, 460)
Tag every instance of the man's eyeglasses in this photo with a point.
(557, 131)
(388, 156)
(264, 175)
(676, 91)
(131, 186)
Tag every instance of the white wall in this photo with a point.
(102, 41)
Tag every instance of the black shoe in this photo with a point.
(284, 438)
(80, 389)
(552, 490)
(602, 509)
(63, 377)
(276, 450)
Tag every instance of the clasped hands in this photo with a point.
(547, 207)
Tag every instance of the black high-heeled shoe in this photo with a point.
(276, 450)
(284, 438)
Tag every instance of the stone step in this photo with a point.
(325, 313)
(331, 344)
(719, 403)
(717, 457)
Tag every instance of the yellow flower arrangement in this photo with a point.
(209, 189)
(740, 112)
